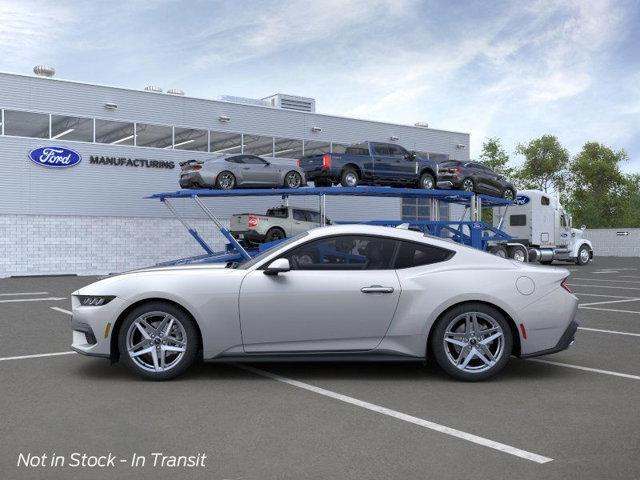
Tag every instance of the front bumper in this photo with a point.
(92, 327)
(566, 340)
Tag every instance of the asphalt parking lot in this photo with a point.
(568, 415)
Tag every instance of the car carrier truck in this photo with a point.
(538, 222)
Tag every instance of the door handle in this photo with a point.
(376, 289)
(246, 168)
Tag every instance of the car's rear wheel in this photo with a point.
(508, 194)
(349, 178)
(225, 180)
(274, 234)
(292, 180)
(472, 341)
(468, 185)
(158, 341)
(427, 181)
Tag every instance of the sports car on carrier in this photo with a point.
(348, 292)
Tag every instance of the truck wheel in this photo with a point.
(518, 253)
(498, 251)
(349, 178)
(583, 255)
(427, 181)
(225, 180)
(468, 185)
(274, 234)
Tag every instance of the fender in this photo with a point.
(578, 244)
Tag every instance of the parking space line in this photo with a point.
(402, 416)
(599, 295)
(23, 293)
(609, 301)
(605, 280)
(61, 310)
(608, 309)
(586, 369)
(39, 355)
(14, 300)
(609, 331)
(604, 286)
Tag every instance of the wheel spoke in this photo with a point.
(474, 321)
(468, 327)
(454, 341)
(491, 338)
(154, 354)
(178, 343)
(143, 330)
(171, 348)
(468, 358)
(485, 360)
(141, 352)
(485, 350)
(162, 324)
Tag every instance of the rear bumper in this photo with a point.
(565, 342)
(249, 235)
(193, 180)
(449, 183)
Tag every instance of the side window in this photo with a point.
(346, 252)
(381, 149)
(544, 200)
(313, 216)
(396, 151)
(413, 254)
(253, 160)
(517, 220)
(563, 221)
(299, 215)
(235, 160)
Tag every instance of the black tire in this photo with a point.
(221, 180)
(583, 258)
(295, 182)
(518, 253)
(273, 234)
(346, 177)
(468, 185)
(184, 319)
(322, 182)
(442, 356)
(509, 194)
(427, 182)
(499, 251)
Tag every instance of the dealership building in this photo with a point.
(92, 217)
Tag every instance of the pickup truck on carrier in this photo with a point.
(371, 163)
(276, 224)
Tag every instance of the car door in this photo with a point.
(340, 295)
(299, 222)
(493, 182)
(382, 162)
(479, 176)
(403, 165)
(258, 171)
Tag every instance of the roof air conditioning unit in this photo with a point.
(153, 88)
(44, 71)
(292, 102)
(175, 91)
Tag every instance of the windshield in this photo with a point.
(250, 263)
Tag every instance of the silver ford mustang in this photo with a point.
(349, 292)
(231, 171)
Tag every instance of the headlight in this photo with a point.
(94, 301)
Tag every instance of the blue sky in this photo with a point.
(515, 70)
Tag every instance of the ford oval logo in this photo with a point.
(56, 157)
(521, 200)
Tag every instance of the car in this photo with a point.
(276, 224)
(340, 293)
(231, 171)
(371, 163)
(474, 177)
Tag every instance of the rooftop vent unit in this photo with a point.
(153, 88)
(44, 71)
(291, 102)
(422, 124)
(175, 91)
(244, 100)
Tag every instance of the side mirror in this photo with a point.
(279, 265)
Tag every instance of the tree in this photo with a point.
(631, 201)
(495, 157)
(599, 192)
(545, 164)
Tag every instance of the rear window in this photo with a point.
(413, 254)
(359, 149)
(517, 220)
(277, 212)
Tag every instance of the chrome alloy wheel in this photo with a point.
(351, 179)
(518, 255)
(474, 342)
(467, 185)
(508, 194)
(427, 182)
(156, 341)
(293, 180)
(584, 255)
(226, 181)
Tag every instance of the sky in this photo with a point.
(514, 70)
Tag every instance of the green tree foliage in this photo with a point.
(631, 202)
(599, 193)
(495, 157)
(545, 164)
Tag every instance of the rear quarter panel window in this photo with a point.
(413, 254)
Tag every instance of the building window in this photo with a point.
(224, 142)
(258, 145)
(26, 124)
(287, 148)
(190, 139)
(157, 136)
(114, 133)
(316, 148)
(72, 128)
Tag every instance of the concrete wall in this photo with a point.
(607, 242)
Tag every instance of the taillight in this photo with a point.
(196, 167)
(299, 162)
(326, 161)
(564, 285)
(253, 221)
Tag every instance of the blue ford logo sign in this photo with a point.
(56, 157)
(521, 200)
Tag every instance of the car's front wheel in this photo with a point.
(472, 341)
(158, 341)
(293, 180)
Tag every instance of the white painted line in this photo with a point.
(605, 272)
(609, 301)
(604, 286)
(61, 310)
(402, 416)
(608, 309)
(586, 369)
(14, 300)
(599, 295)
(40, 355)
(605, 280)
(23, 293)
(609, 331)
